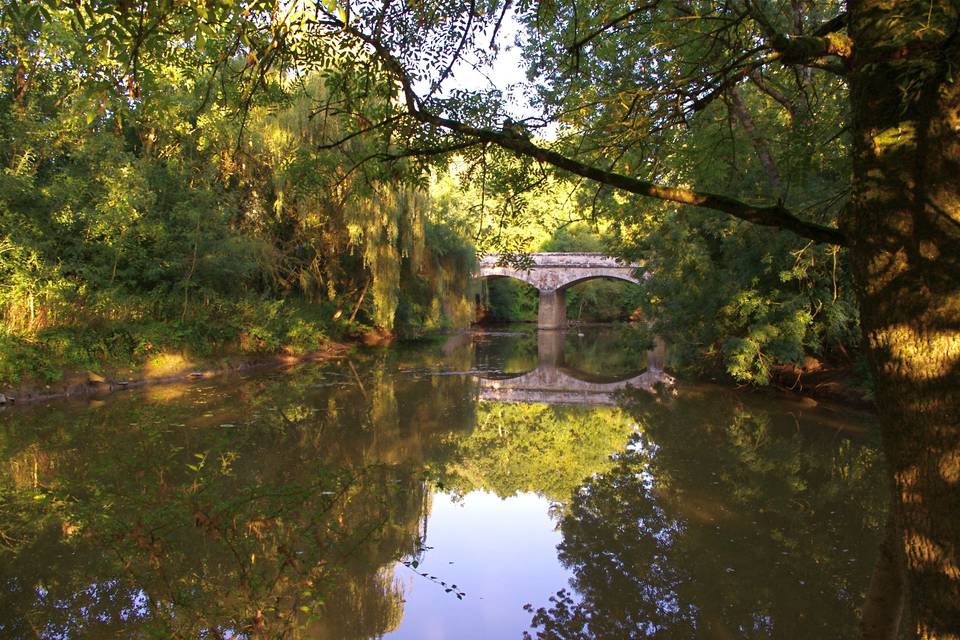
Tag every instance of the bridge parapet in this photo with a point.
(554, 271)
(560, 260)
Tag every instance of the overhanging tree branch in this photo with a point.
(809, 49)
(771, 216)
(776, 216)
(826, 40)
(576, 46)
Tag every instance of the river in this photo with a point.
(488, 486)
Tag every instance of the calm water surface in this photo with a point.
(491, 486)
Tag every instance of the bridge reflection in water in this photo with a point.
(554, 383)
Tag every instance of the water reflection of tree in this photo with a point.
(274, 509)
(539, 448)
(720, 524)
(514, 355)
(615, 351)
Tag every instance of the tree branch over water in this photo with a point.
(776, 215)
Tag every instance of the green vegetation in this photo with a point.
(739, 297)
(185, 213)
(157, 221)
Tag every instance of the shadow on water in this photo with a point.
(305, 504)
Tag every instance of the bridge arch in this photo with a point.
(553, 273)
(613, 275)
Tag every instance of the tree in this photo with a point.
(895, 63)
(126, 206)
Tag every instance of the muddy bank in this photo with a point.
(818, 381)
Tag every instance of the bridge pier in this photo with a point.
(552, 313)
(550, 349)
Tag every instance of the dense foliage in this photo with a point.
(730, 293)
(167, 193)
(180, 214)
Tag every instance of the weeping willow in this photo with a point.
(206, 212)
(352, 235)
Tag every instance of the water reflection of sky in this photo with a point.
(501, 553)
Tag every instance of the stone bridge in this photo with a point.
(553, 383)
(553, 273)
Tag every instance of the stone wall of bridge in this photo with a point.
(552, 386)
(556, 271)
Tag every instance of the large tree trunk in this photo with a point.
(886, 596)
(904, 227)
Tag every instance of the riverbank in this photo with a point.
(150, 364)
(91, 357)
(162, 369)
(824, 381)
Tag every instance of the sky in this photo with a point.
(507, 71)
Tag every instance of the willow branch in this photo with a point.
(340, 142)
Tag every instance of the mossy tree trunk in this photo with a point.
(904, 229)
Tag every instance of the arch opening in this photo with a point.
(506, 298)
(603, 298)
